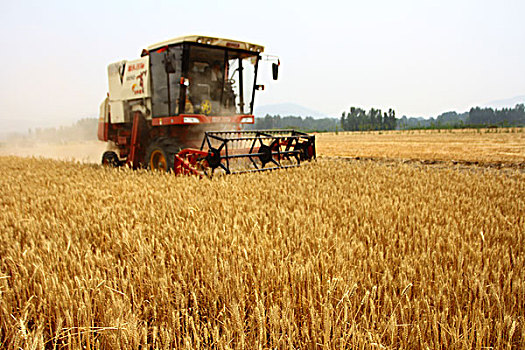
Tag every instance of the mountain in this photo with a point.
(506, 103)
(287, 109)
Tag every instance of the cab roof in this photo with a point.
(207, 40)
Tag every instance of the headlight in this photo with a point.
(191, 120)
(247, 120)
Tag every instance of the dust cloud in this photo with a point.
(77, 142)
(85, 152)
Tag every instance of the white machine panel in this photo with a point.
(103, 111)
(129, 79)
(116, 110)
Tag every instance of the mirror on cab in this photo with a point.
(275, 70)
(168, 66)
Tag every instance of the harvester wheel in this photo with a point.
(110, 158)
(160, 154)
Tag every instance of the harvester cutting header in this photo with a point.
(182, 106)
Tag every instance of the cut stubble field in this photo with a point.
(483, 146)
(334, 254)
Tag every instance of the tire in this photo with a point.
(160, 154)
(110, 158)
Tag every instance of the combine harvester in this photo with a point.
(182, 106)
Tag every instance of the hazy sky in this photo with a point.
(420, 57)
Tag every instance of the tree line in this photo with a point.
(358, 119)
(84, 129)
(292, 122)
(503, 117)
(476, 117)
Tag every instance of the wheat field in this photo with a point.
(335, 254)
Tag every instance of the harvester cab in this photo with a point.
(182, 106)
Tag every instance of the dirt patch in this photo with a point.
(456, 164)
